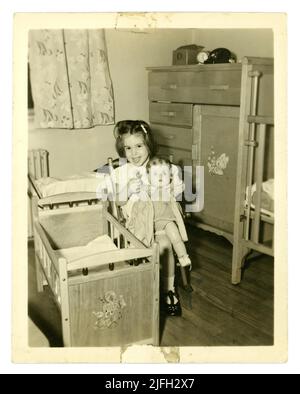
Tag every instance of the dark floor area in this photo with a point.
(216, 313)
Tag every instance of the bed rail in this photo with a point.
(47, 262)
(72, 199)
(38, 164)
(249, 218)
(119, 233)
(256, 166)
(38, 167)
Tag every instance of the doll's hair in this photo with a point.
(132, 127)
(157, 161)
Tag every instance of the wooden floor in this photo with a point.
(216, 313)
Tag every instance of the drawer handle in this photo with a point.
(168, 114)
(219, 87)
(171, 86)
(169, 137)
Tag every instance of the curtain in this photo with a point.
(70, 81)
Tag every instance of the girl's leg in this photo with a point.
(174, 236)
(168, 274)
(167, 261)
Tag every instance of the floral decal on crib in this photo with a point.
(111, 311)
(217, 165)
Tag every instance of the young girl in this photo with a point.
(135, 144)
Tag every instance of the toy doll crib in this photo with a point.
(104, 281)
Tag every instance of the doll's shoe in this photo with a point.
(185, 261)
(173, 308)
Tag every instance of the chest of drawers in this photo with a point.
(197, 114)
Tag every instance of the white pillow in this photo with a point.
(88, 182)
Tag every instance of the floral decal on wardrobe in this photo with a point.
(70, 79)
(111, 310)
(217, 164)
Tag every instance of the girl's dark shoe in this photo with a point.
(173, 308)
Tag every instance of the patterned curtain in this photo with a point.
(70, 81)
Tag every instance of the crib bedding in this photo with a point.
(101, 244)
(267, 197)
(84, 182)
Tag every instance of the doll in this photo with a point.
(167, 215)
(156, 212)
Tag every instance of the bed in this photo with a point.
(104, 281)
(254, 214)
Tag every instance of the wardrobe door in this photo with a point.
(216, 130)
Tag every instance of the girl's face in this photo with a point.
(135, 149)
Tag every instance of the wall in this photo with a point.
(243, 42)
(129, 53)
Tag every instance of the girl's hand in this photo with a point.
(134, 186)
(148, 189)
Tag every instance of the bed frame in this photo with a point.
(37, 167)
(38, 164)
(248, 221)
(105, 299)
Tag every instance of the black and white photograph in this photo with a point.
(148, 170)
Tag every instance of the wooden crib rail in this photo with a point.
(38, 164)
(116, 230)
(48, 263)
(256, 166)
(37, 167)
(32, 187)
(251, 143)
(68, 199)
(248, 220)
(259, 167)
(42, 241)
(110, 257)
